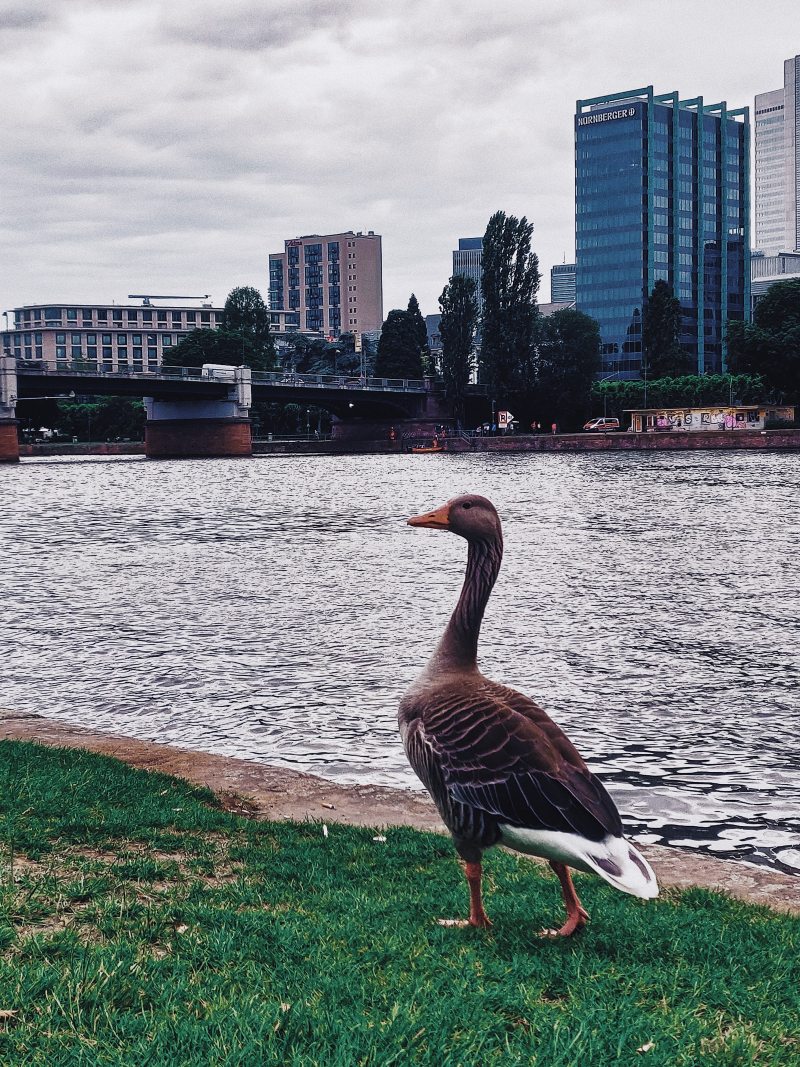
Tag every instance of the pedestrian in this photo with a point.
(554, 428)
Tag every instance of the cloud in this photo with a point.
(188, 140)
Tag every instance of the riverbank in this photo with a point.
(277, 793)
(141, 922)
(673, 440)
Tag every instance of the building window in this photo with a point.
(205, 316)
(122, 338)
(102, 315)
(147, 316)
(133, 316)
(136, 338)
(61, 338)
(72, 314)
(176, 318)
(107, 352)
(166, 340)
(106, 338)
(191, 316)
(61, 352)
(152, 355)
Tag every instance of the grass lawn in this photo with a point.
(140, 924)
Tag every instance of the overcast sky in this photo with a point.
(168, 146)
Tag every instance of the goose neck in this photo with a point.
(459, 645)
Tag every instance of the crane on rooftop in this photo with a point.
(147, 298)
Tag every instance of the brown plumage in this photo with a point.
(497, 766)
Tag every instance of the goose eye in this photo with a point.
(466, 506)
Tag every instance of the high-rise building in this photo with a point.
(777, 166)
(562, 283)
(661, 193)
(333, 283)
(468, 260)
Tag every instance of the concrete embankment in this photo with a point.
(564, 442)
(270, 792)
(633, 442)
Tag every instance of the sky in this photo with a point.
(168, 146)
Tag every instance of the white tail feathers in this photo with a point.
(613, 858)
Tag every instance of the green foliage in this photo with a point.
(421, 331)
(459, 307)
(399, 354)
(770, 345)
(661, 327)
(567, 361)
(510, 281)
(212, 346)
(140, 924)
(246, 313)
(690, 390)
(103, 418)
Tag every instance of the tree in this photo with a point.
(459, 307)
(689, 390)
(568, 358)
(421, 331)
(246, 314)
(770, 345)
(398, 348)
(661, 330)
(510, 281)
(207, 346)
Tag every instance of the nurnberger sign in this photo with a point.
(606, 116)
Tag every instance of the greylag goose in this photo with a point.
(498, 768)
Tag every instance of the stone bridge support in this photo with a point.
(431, 411)
(9, 439)
(192, 427)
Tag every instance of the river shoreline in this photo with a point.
(278, 793)
(712, 440)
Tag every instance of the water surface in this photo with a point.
(276, 608)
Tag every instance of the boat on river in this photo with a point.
(435, 446)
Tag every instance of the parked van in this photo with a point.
(602, 424)
(221, 371)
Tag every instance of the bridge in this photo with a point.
(206, 412)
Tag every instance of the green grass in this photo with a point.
(140, 924)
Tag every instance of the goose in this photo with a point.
(499, 770)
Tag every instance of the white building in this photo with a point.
(777, 165)
(109, 337)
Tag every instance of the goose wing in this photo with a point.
(500, 752)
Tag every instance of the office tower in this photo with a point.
(777, 165)
(562, 283)
(468, 260)
(333, 283)
(661, 193)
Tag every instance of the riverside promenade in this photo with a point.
(261, 791)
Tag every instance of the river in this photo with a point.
(276, 608)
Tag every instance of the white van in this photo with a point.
(221, 371)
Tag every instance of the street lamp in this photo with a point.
(605, 398)
(308, 422)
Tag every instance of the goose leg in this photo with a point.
(577, 916)
(477, 916)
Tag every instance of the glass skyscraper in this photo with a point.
(661, 192)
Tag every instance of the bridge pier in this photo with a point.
(208, 428)
(432, 411)
(9, 438)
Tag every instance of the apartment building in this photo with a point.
(333, 283)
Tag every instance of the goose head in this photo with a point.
(471, 517)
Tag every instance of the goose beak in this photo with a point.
(434, 520)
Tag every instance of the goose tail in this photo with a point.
(621, 865)
(613, 858)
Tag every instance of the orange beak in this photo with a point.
(434, 520)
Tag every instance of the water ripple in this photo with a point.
(276, 610)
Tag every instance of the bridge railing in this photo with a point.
(94, 369)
